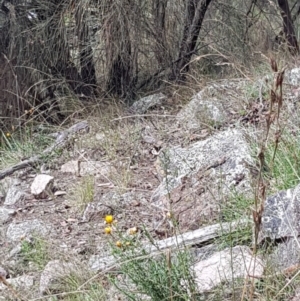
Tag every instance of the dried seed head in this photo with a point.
(273, 96)
(279, 79)
(273, 65)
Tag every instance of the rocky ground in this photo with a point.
(155, 168)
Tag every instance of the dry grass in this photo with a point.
(121, 142)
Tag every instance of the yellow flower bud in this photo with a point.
(109, 219)
(118, 244)
(107, 230)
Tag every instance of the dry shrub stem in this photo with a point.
(275, 98)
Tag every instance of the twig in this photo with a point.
(142, 115)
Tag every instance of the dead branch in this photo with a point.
(61, 141)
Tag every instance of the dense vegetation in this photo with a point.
(58, 54)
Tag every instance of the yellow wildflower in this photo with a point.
(8, 134)
(118, 244)
(109, 219)
(107, 230)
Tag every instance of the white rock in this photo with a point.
(202, 175)
(21, 282)
(145, 103)
(228, 146)
(42, 185)
(99, 263)
(293, 76)
(16, 232)
(70, 167)
(91, 168)
(5, 214)
(280, 218)
(227, 265)
(14, 194)
(53, 272)
(211, 106)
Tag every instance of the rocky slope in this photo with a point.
(152, 169)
